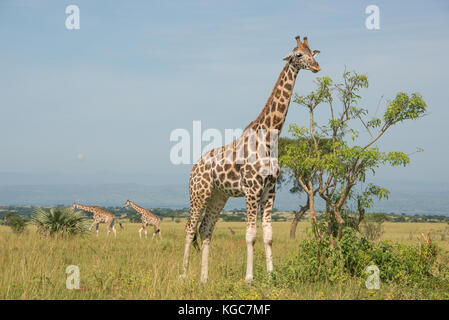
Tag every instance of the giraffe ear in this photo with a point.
(315, 53)
(287, 57)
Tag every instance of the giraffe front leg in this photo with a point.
(92, 225)
(97, 225)
(251, 232)
(267, 208)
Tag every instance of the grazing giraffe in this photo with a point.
(148, 218)
(100, 215)
(237, 170)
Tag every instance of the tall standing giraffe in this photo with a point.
(148, 218)
(245, 168)
(100, 215)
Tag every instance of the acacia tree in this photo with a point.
(331, 159)
(299, 176)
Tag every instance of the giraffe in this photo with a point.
(236, 170)
(148, 218)
(100, 215)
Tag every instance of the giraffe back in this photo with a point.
(102, 215)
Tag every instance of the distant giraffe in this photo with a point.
(148, 218)
(238, 170)
(100, 215)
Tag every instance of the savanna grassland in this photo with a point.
(33, 267)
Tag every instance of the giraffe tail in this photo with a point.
(195, 241)
(120, 224)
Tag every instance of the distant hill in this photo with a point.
(404, 198)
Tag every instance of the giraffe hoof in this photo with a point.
(183, 276)
(249, 279)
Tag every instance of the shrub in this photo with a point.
(59, 221)
(372, 230)
(17, 224)
(315, 260)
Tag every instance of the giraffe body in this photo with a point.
(100, 215)
(148, 218)
(247, 167)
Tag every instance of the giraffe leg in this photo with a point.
(96, 227)
(111, 227)
(251, 232)
(92, 225)
(200, 191)
(191, 225)
(155, 230)
(197, 206)
(266, 208)
(140, 232)
(213, 209)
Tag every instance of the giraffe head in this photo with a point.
(302, 57)
(74, 206)
(127, 203)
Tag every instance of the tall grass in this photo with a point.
(126, 267)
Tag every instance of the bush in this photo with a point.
(372, 230)
(17, 224)
(59, 221)
(315, 260)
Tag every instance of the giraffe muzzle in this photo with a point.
(315, 69)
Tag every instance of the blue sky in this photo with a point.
(136, 70)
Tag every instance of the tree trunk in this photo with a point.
(298, 216)
(361, 212)
(312, 215)
(340, 222)
(329, 226)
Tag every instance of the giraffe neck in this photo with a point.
(85, 208)
(275, 111)
(136, 207)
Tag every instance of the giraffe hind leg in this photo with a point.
(140, 232)
(214, 206)
(197, 205)
(113, 229)
(156, 230)
(200, 190)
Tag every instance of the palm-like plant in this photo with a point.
(59, 221)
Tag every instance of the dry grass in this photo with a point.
(32, 267)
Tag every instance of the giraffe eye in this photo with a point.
(298, 55)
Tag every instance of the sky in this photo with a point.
(98, 104)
